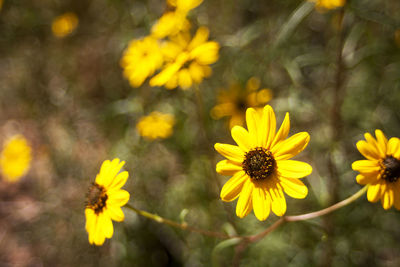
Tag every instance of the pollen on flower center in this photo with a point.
(390, 169)
(96, 198)
(259, 163)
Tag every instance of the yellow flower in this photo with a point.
(141, 59)
(184, 5)
(64, 24)
(171, 23)
(104, 201)
(322, 5)
(235, 101)
(381, 169)
(187, 60)
(260, 165)
(156, 125)
(15, 159)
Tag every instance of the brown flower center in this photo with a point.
(390, 170)
(258, 163)
(96, 198)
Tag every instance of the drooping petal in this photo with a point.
(394, 147)
(294, 188)
(261, 203)
(366, 166)
(278, 200)
(233, 187)
(106, 223)
(244, 204)
(252, 120)
(99, 236)
(242, 138)
(291, 146)
(381, 141)
(374, 192)
(293, 168)
(387, 198)
(118, 197)
(231, 152)
(367, 150)
(267, 128)
(90, 220)
(228, 167)
(366, 179)
(115, 213)
(283, 131)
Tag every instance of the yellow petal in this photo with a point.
(222, 110)
(115, 213)
(99, 236)
(244, 204)
(200, 38)
(206, 53)
(381, 141)
(252, 119)
(283, 131)
(293, 168)
(396, 188)
(366, 166)
(242, 138)
(231, 152)
(108, 172)
(196, 72)
(367, 150)
(261, 203)
(106, 223)
(228, 167)
(394, 147)
(119, 180)
(117, 197)
(278, 200)
(165, 75)
(371, 140)
(267, 128)
(232, 188)
(387, 198)
(294, 188)
(364, 179)
(374, 192)
(291, 146)
(90, 220)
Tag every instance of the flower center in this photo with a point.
(391, 169)
(96, 198)
(258, 163)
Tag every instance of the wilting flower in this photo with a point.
(328, 4)
(187, 60)
(15, 159)
(141, 59)
(64, 24)
(260, 165)
(234, 102)
(381, 169)
(104, 201)
(156, 125)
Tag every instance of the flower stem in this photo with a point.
(182, 226)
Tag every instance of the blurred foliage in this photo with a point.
(68, 97)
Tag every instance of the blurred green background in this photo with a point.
(70, 100)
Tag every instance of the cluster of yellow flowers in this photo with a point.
(181, 59)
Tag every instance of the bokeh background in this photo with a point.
(337, 72)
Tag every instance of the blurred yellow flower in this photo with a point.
(171, 23)
(104, 201)
(260, 165)
(64, 24)
(156, 125)
(184, 5)
(141, 59)
(187, 60)
(328, 4)
(235, 101)
(381, 169)
(15, 159)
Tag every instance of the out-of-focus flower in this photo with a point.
(184, 5)
(15, 159)
(64, 24)
(170, 24)
(141, 59)
(381, 169)
(235, 101)
(260, 165)
(322, 5)
(156, 125)
(187, 60)
(104, 201)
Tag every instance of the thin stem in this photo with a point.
(182, 226)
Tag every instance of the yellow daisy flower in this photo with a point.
(260, 165)
(104, 201)
(64, 24)
(187, 60)
(156, 125)
(141, 59)
(381, 169)
(15, 159)
(170, 24)
(322, 5)
(234, 102)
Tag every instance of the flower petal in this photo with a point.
(291, 147)
(372, 141)
(364, 179)
(242, 138)
(374, 192)
(394, 147)
(294, 188)
(99, 236)
(232, 188)
(118, 197)
(381, 141)
(115, 213)
(108, 171)
(252, 119)
(106, 224)
(396, 188)
(266, 133)
(278, 200)
(366, 166)
(387, 198)
(367, 150)
(261, 203)
(228, 167)
(119, 180)
(283, 131)
(293, 168)
(244, 204)
(231, 152)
